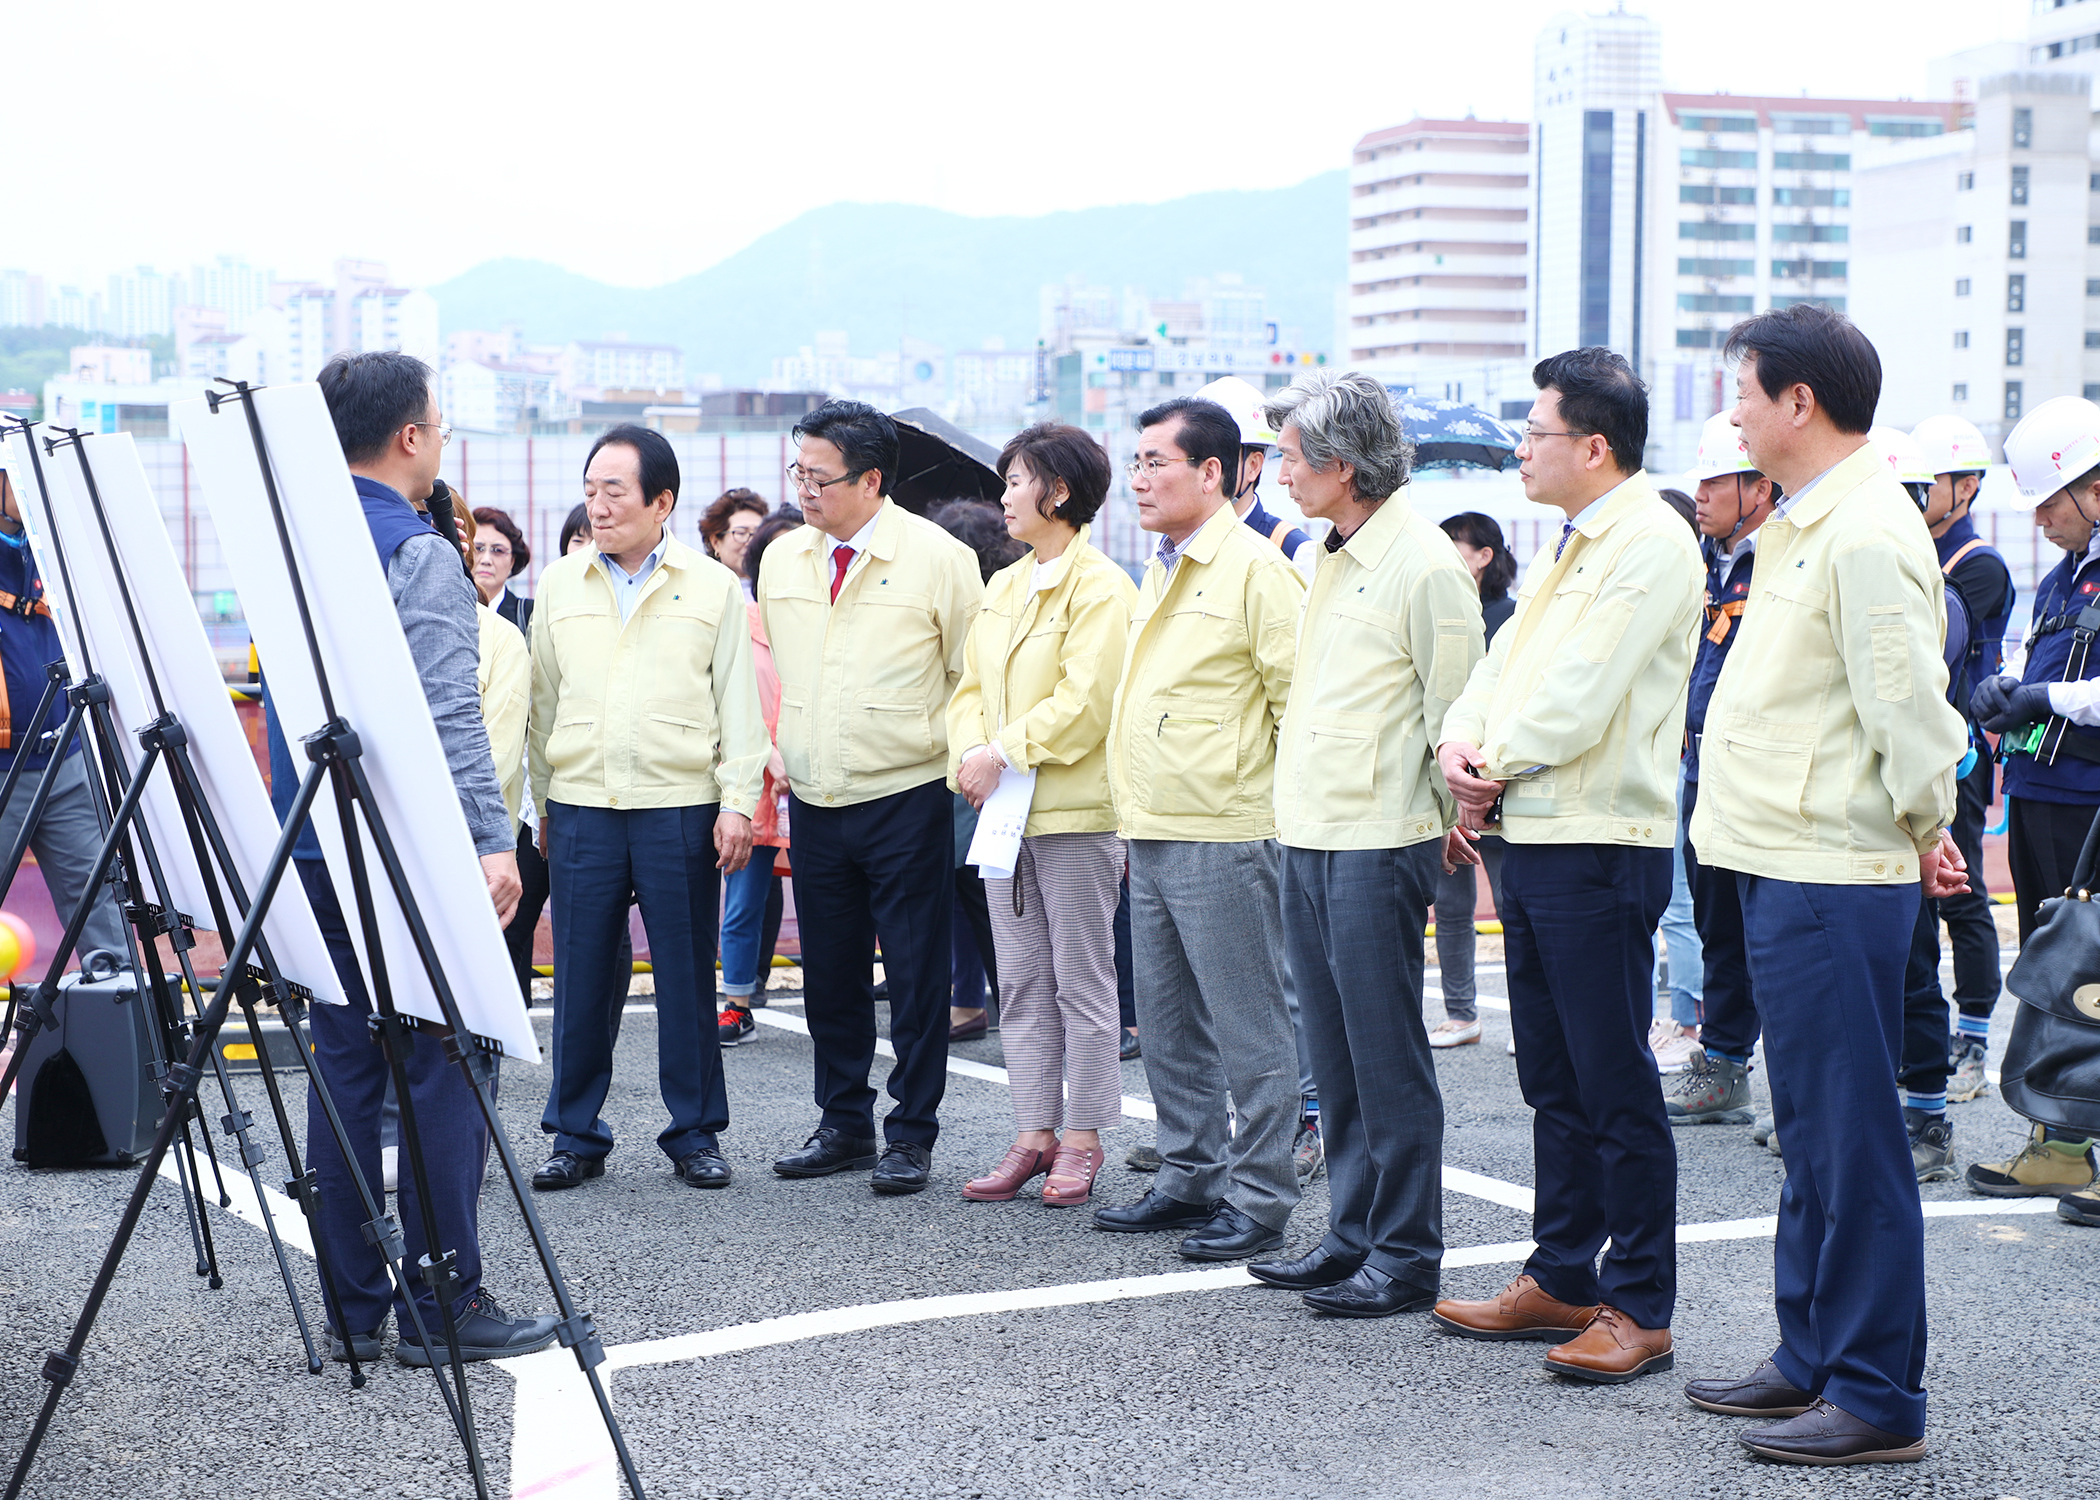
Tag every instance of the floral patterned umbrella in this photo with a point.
(1453, 435)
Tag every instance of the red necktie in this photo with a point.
(841, 559)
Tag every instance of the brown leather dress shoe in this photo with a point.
(1612, 1350)
(1522, 1311)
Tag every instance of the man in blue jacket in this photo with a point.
(67, 837)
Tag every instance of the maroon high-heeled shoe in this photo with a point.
(1004, 1181)
(1071, 1179)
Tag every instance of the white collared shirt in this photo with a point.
(860, 542)
(627, 587)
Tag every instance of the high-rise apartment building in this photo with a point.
(1596, 87)
(141, 303)
(1977, 268)
(1439, 238)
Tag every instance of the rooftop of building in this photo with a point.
(1518, 129)
(1766, 107)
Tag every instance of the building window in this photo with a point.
(2092, 234)
(1717, 125)
(1691, 157)
(1821, 270)
(1708, 302)
(2015, 346)
(1687, 266)
(1961, 392)
(1964, 181)
(1813, 234)
(1746, 196)
(2016, 293)
(2012, 400)
(1811, 161)
(2016, 239)
(2092, 392)
(1961, 338)
(1961, 286)
(1963, 234)
(1695, 338)
(2023, 137)
(2019, 187)
(1835, 304)
(1595, 309)
(1906, 127)
(1811, 197)
(1706, 229)
(2092, 338)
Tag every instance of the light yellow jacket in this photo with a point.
(662, 711)
(505, 680)
(865, 682)
(1391, 631)
(1039, 675)
(1192, 743)
(1579, 705)
(1830, 747)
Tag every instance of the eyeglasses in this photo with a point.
(444, 430)
(492, 549)
(808, 483)
(1150, 467)
(1532, 434)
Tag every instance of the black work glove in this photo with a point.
(2024, 704)
(1988, 701)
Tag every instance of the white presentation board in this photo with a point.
(375, 687)
(190, 684)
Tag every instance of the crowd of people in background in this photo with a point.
(1758, 720)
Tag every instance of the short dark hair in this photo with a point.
(659, 464)
(714, 521)
(978, 525)
(1600, 395)
(1207, 430)
(1478, 530)
(777, 525)
(520, 552)
(373, 396)
(579, 521)
(865, 438)
(1808, 344)
(1682, 503)
(1057, 450)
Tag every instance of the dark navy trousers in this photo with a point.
(1849, 1267)
(1728, 1023)
(663, 859)
(887, 866)
(448, 1123)
(1578, 934)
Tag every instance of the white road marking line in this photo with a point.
(243, 1190)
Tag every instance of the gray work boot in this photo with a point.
(1966, 1078)
(1712, 1091)
(1931, 1144)
(1762, 1130)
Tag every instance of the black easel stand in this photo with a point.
(334, 751)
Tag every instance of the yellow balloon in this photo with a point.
(10, 952)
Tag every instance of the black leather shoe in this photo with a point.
(367, 1346)
(1762, 1393)
(903, 1168)
(485, 1332)
(1130, 1051)
(565, 1169)
(1825, 1436)
(1152, 1212)
(1370, 1293)
(1230, 1235)
(826, 1152)
(703, 1168)
(1306, 1272)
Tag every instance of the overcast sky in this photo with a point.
(638, 141)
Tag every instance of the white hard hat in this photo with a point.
(1900, 451)
(2054, 444)
(1244, 402)
(1721, 450)
(1952, 446)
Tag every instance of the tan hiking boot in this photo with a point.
(2043, 1169)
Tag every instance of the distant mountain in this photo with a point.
(881, 270)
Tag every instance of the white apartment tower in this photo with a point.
(1439, 239)
(1978, 267)
(1595, 88)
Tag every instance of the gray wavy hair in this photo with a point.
(1346, 418)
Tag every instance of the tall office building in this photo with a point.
(1439, 237)
(1596, 84)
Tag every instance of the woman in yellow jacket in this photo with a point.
(1039, 678)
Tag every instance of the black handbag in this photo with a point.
(2052, 1064)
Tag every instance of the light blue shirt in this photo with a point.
(627, 587)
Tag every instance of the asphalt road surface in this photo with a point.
(797, 1339)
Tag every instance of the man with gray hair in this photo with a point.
(1391, 631)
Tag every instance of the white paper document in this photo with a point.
(996, 848)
